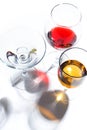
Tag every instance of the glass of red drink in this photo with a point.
(64, 26)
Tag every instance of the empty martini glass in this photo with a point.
(22, 48)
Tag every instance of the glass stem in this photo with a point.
(16, 78)
(51, 67)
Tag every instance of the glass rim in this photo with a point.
(74, 6)
(63, 54)
(36, 32)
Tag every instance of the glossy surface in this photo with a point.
(60, 37)
(34, 13)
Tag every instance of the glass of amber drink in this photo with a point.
(72, 67)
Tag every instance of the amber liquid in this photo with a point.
(71, 72)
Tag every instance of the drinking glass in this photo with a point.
(72, 71)
(69, 68)
(64, 26)
(22, 48)
(72, 67)
(50, 110)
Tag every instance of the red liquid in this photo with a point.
(61, 37)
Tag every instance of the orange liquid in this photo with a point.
(71, 72)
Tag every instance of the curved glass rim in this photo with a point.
(80, 18)
(26, 68)
(63, 54)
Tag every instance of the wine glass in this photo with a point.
(50, 110)
(72, 68)
(64, 26)
(22, 48)
(69, 68)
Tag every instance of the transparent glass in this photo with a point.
(50, 110)
(72, 67)
(63, 28)
(72, 71)
(68, 70)
(22, 48)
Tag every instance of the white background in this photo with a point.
(35, 13)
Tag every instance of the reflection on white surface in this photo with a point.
(35, 13)
(38, 122)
